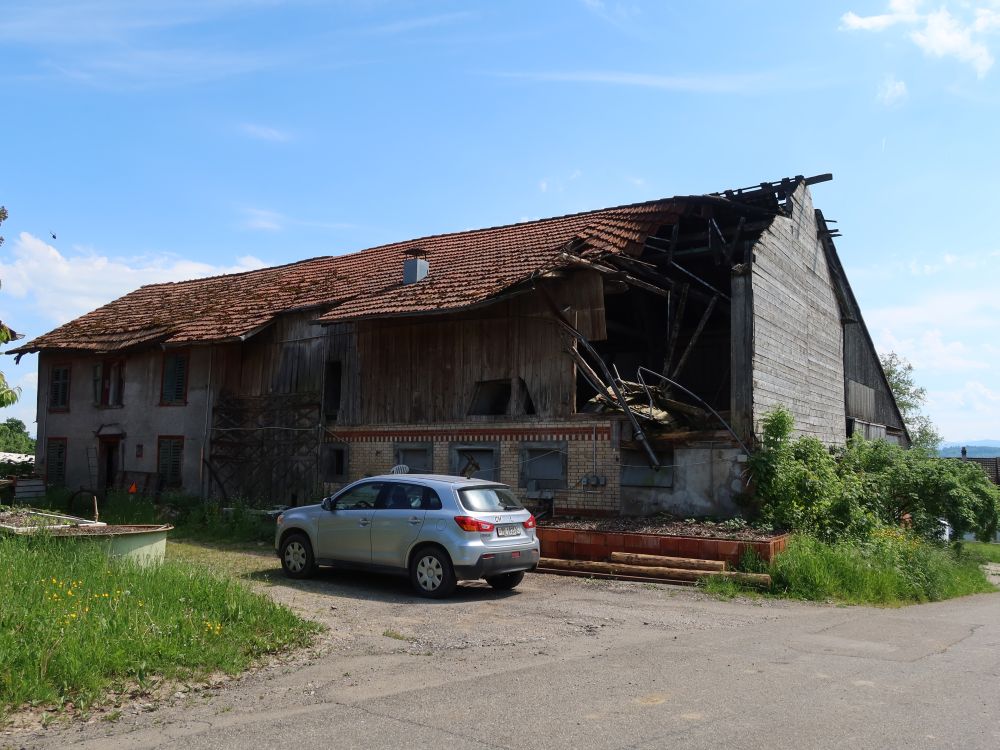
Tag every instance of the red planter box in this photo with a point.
(573, 544)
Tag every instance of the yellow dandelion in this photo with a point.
(69, 592)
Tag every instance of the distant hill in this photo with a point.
(982, 449)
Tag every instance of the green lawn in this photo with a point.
(74, 625)
(984, 551)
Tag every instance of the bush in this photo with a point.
(866, 486)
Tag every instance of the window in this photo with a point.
(169, 460)
(543, 465)
(173, 391)
(636, 471)
(59, 388)
(333, 460)
(333, 388)
(476, 461)
(55, 462)
(491, 398)
(361, 497)
(417, 457)
(109, 382)
(399, 496)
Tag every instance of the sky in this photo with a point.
(163, 140)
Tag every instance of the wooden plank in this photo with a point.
(676, 574)
(664, 561)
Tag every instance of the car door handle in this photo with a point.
(414, 520)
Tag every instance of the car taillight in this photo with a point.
(468, 523)
(530, 523)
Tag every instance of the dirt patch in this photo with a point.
(663, 527)
(24, 518)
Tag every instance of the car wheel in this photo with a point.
(506, 581)
(297, 556)
(431, 573)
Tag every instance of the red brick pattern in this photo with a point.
(574, 544)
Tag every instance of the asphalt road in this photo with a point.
(567, 663)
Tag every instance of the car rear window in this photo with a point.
(488, 499)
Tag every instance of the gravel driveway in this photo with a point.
(570, 663)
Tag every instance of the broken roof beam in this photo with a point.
(617, 273)
(654, 461)
(694, 337)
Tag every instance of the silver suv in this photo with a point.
(436, 529)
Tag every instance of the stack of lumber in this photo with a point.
(658, 568)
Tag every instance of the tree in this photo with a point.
(8, 395)
(14, 437)
(910, 399)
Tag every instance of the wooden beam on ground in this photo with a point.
(649, 571)
(663, 561)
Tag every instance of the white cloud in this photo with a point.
(892, 92)
(930, 352)
(57, 288)
(262, 219)
(970, 411)
(731, 83)
(938, 33)
(265, 133)
(543, 185)
(424, 22)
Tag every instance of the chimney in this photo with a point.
(415, 265)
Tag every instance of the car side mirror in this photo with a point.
(328, 504)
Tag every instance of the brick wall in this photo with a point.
(798, 339)
(372, 451)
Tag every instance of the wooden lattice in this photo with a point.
(265, 449)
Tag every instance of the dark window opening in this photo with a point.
(491, 398)
(636, 471)
(59, 388)
(55, 462)
(109, 382)
(169, 461)
(476, 461)
(417, 457)
(173, 390)
(334, 462)
(333, 389)
(543, 465)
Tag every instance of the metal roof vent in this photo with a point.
(415, 265)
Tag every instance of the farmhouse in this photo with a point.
(612, 361)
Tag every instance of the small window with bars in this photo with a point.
(55, 462)
(59, 388)
(173, 391)
(170, 459)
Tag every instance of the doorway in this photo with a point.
(108, 462)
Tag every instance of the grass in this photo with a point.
(982, 551)
(75, 626)
(890, 569)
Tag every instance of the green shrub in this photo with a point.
(866, 486)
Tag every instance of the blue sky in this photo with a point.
(165, 140)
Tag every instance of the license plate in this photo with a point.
(508, 529)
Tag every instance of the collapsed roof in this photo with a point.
(466, 269)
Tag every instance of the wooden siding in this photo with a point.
(420, 370)
(798, 340)
(862, 366)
